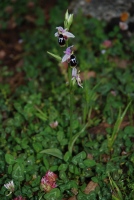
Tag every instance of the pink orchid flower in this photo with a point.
(67, 53)
(64, 32)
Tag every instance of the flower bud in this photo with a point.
(66, 15)
(68, 20)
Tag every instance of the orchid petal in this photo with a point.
(79, 81)
(56, 34)
(80, 85)
(68, 34)
(60, 29)
(74, 72)
(65, 57)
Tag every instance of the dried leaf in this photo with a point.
(90, 187)
(90, 156)
(2, 54)
(121, 63)
(72, 198)
(30, 18)
(87, 75)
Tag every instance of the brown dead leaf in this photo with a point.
(90, 156)
(30, 4)
(74, 191)
(9, 9)
(2, 54)
(105, 158)
(18, 46)
(19, 63)
(30, 18)
(72, 198)
(121, 63)
(87, 75)
(101, 128)
(90, 187)
(16, 81)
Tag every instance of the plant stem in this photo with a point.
(71, 104)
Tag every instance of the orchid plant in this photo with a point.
(64, 35)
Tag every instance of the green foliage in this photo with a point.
(30, 145)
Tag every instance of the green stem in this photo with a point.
(71, 104)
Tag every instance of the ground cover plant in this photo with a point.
(66, 105)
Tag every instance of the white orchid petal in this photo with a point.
(60, 29)
(56, 34)
(74, 72)
(80, 85)
(68, 34)
(65, 57)
(79, 81)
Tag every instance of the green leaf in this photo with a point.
(89, 163)
(54, 152)
(95, 179)
(67, 156)
(9, 159)
(18, 172)
(116, 128)
(40, 114)
(81, 164)
(53, 168)
(55, 56)
(46, 163)
(68, 185)
(60, 136)
(73, 184)
(77, 171)
(63, 167)
(54, 194)
(37, 146)
(113, 186)
(79, 157)
(10, 169)
(71, 168)
(62, 175)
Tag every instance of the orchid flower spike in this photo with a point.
(63, 32)
(67, 53)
